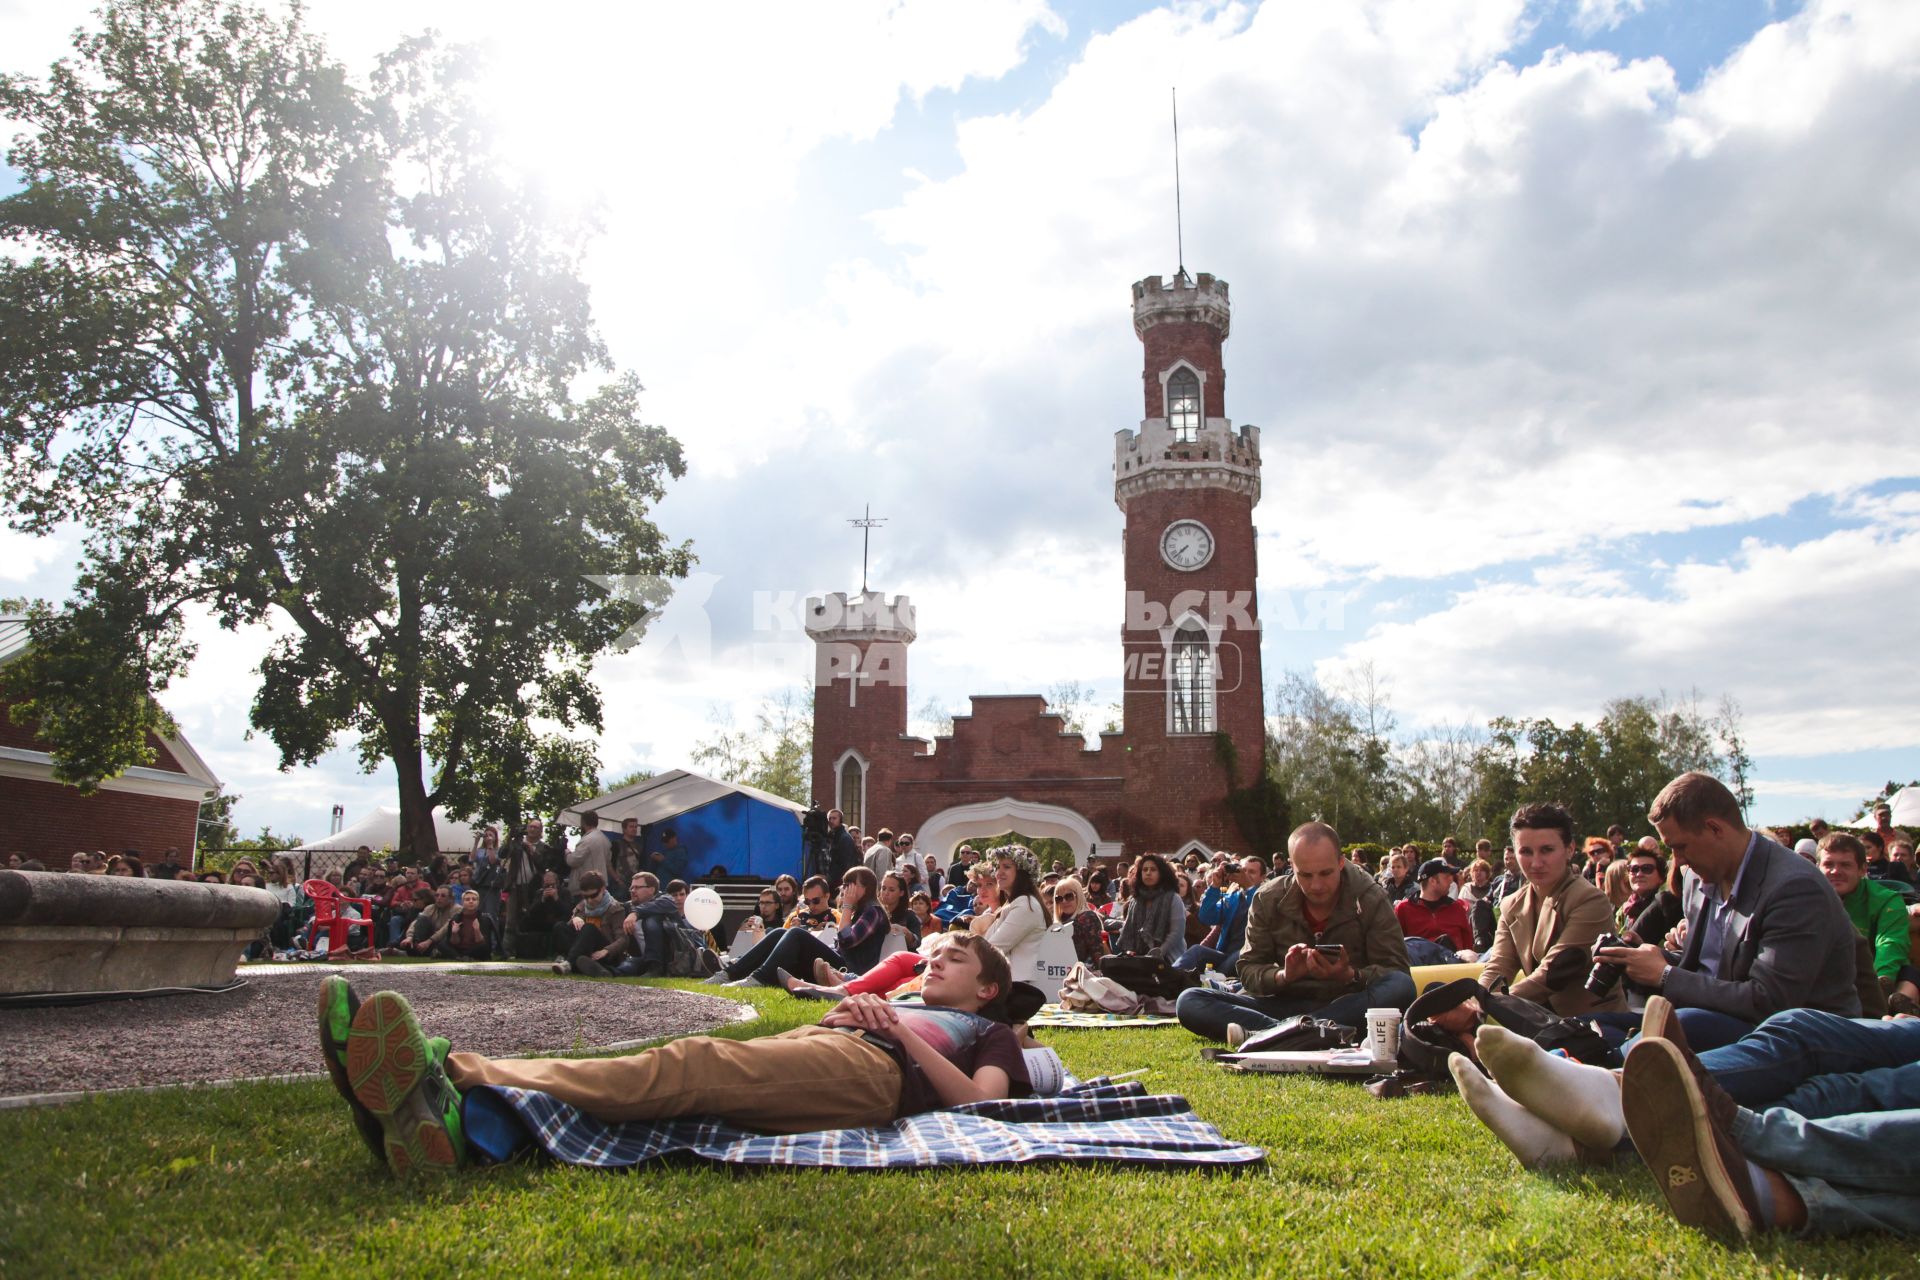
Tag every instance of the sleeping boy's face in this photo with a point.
(953, 978)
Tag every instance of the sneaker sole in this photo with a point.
(388, 1063)
(336, 997)
(1667, 1120)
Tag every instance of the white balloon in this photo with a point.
(703, 908)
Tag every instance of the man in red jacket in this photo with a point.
(1437, 916)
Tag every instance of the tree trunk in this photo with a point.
(418, 836)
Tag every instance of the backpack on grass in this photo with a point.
(688, 955)
(1424, 1048)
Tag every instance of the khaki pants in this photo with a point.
(795, 1082)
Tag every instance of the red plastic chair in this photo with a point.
(327, 901)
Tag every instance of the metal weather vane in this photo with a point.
(866, 524)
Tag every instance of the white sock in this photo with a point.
(1582, 1102)
(1534, 1142)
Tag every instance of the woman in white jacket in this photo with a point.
(1019, 921)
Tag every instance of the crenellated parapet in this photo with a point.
(862, 615)
(1222, 456)
(1183, 300)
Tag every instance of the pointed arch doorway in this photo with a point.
(939, 834)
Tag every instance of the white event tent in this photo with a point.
(1906, 811)
(381, 830)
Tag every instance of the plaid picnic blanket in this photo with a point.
(1052, 1015)
(1098, 1121)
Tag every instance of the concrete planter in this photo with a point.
(64, 934)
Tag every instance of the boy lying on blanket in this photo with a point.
(867, 1063)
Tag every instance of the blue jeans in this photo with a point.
(1206, 1012)
(1820, 1064)
(1855, 1172)
(795, 952)
(1705, 1028)
(1196, 958)
(787, 949)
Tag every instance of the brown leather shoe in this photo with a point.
(1697, 1167)
(1662, 1022)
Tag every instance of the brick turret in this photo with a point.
(859, 688)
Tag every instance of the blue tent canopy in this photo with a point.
(745, 831)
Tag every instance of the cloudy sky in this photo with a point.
(1581, 335)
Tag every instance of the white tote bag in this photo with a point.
(893, 942)
(1052, 960)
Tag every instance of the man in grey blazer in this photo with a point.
(1765, 931)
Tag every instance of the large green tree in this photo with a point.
(302, 352)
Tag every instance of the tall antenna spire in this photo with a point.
(866, 524)
(1179, 232)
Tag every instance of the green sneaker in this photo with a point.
(398, 1077)
(338, 1005)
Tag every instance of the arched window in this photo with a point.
(852, 778)
(1183, 406)
(1190, 673)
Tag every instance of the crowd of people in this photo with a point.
(1754, 997)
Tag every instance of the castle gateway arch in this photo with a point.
(940, 833)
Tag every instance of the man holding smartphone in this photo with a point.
(1322, 941)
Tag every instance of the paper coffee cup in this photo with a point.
(1383, 1036)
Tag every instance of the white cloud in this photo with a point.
(1841, 794)
(1494, 319)
(1593, 16)
(1808, 637)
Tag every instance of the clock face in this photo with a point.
(1186, 545)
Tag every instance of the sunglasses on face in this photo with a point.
(816, 902)
(1643, 869)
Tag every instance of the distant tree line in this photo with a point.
(1336, 750)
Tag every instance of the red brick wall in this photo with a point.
(870, 722)
(23, 736)
(51, 821)
(1228, 579)
(1196, 343)
(1143, 788)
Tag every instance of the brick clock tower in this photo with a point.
(1187, 482)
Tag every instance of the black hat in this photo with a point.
(1435, 866)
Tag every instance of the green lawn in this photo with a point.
(268, 1180)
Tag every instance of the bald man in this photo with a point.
(1322, 941)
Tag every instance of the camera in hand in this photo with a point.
(1604, 977)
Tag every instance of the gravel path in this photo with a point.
(267, 1027)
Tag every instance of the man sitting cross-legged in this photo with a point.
(1322, 940)
(1765, 931)
(1436, 922)
(1809, 1122)
(868, 1063)
(594, 924)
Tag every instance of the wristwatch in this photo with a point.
(1664, 975)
